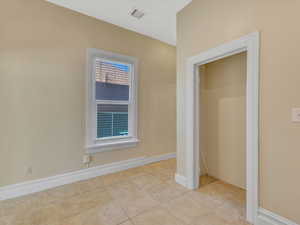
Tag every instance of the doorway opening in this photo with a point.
(222, 120)
(248, 44)
(222, 131)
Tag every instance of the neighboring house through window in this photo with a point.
(112, 101)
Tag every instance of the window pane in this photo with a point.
(112, 81)
(112, 120)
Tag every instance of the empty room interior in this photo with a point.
(136, 112)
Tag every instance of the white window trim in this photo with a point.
(94, 145)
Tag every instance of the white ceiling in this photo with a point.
(159, 21)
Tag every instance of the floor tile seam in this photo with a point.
(174, 198)
(175, 216)
(144, 211)
(81, 212)
(147, 211)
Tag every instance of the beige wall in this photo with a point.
(206, 23)
(42, 89)
(223, 119)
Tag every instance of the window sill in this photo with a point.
(113, 145)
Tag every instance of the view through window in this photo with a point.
(112, 97)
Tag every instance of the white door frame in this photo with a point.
(249, 44)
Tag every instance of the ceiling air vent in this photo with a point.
(137, 13)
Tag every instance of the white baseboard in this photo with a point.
(29, 187)
(266, 217)
(180, 180)
(154, 159)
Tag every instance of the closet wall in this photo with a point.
(223, 119)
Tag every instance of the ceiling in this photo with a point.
(159, 21)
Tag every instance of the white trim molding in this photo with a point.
(180, 179)
(25, 188)
(266, 217)
(92, 149)
(159, 158)
(249, 44)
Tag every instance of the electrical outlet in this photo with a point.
(86, 159)
(296, 115)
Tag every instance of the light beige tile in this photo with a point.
(114, 178)
(134, 172)
(109, 214)
(170, 164)
(158, 216)
(219, 190)
(240, 222)
(97, 182)
(139, 205)
(69, 207)
(166, 191)
(156, 165)
(85, 201)
(205, 199)
(128, 222)
(235, 204)
(145, 181)
(96, 198)
(38, 216)
(27, 209)
(64, 191)
(13, 206)
(187, 209)
(21, 204)
(211, 219)
(162, 173)
(239, 197)
(125, 191)
(89, 185)
(132, 197)
(206, 179)
(231, 213)
(7, 220)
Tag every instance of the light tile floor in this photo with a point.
(146, 195)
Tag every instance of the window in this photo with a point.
(111, 108)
